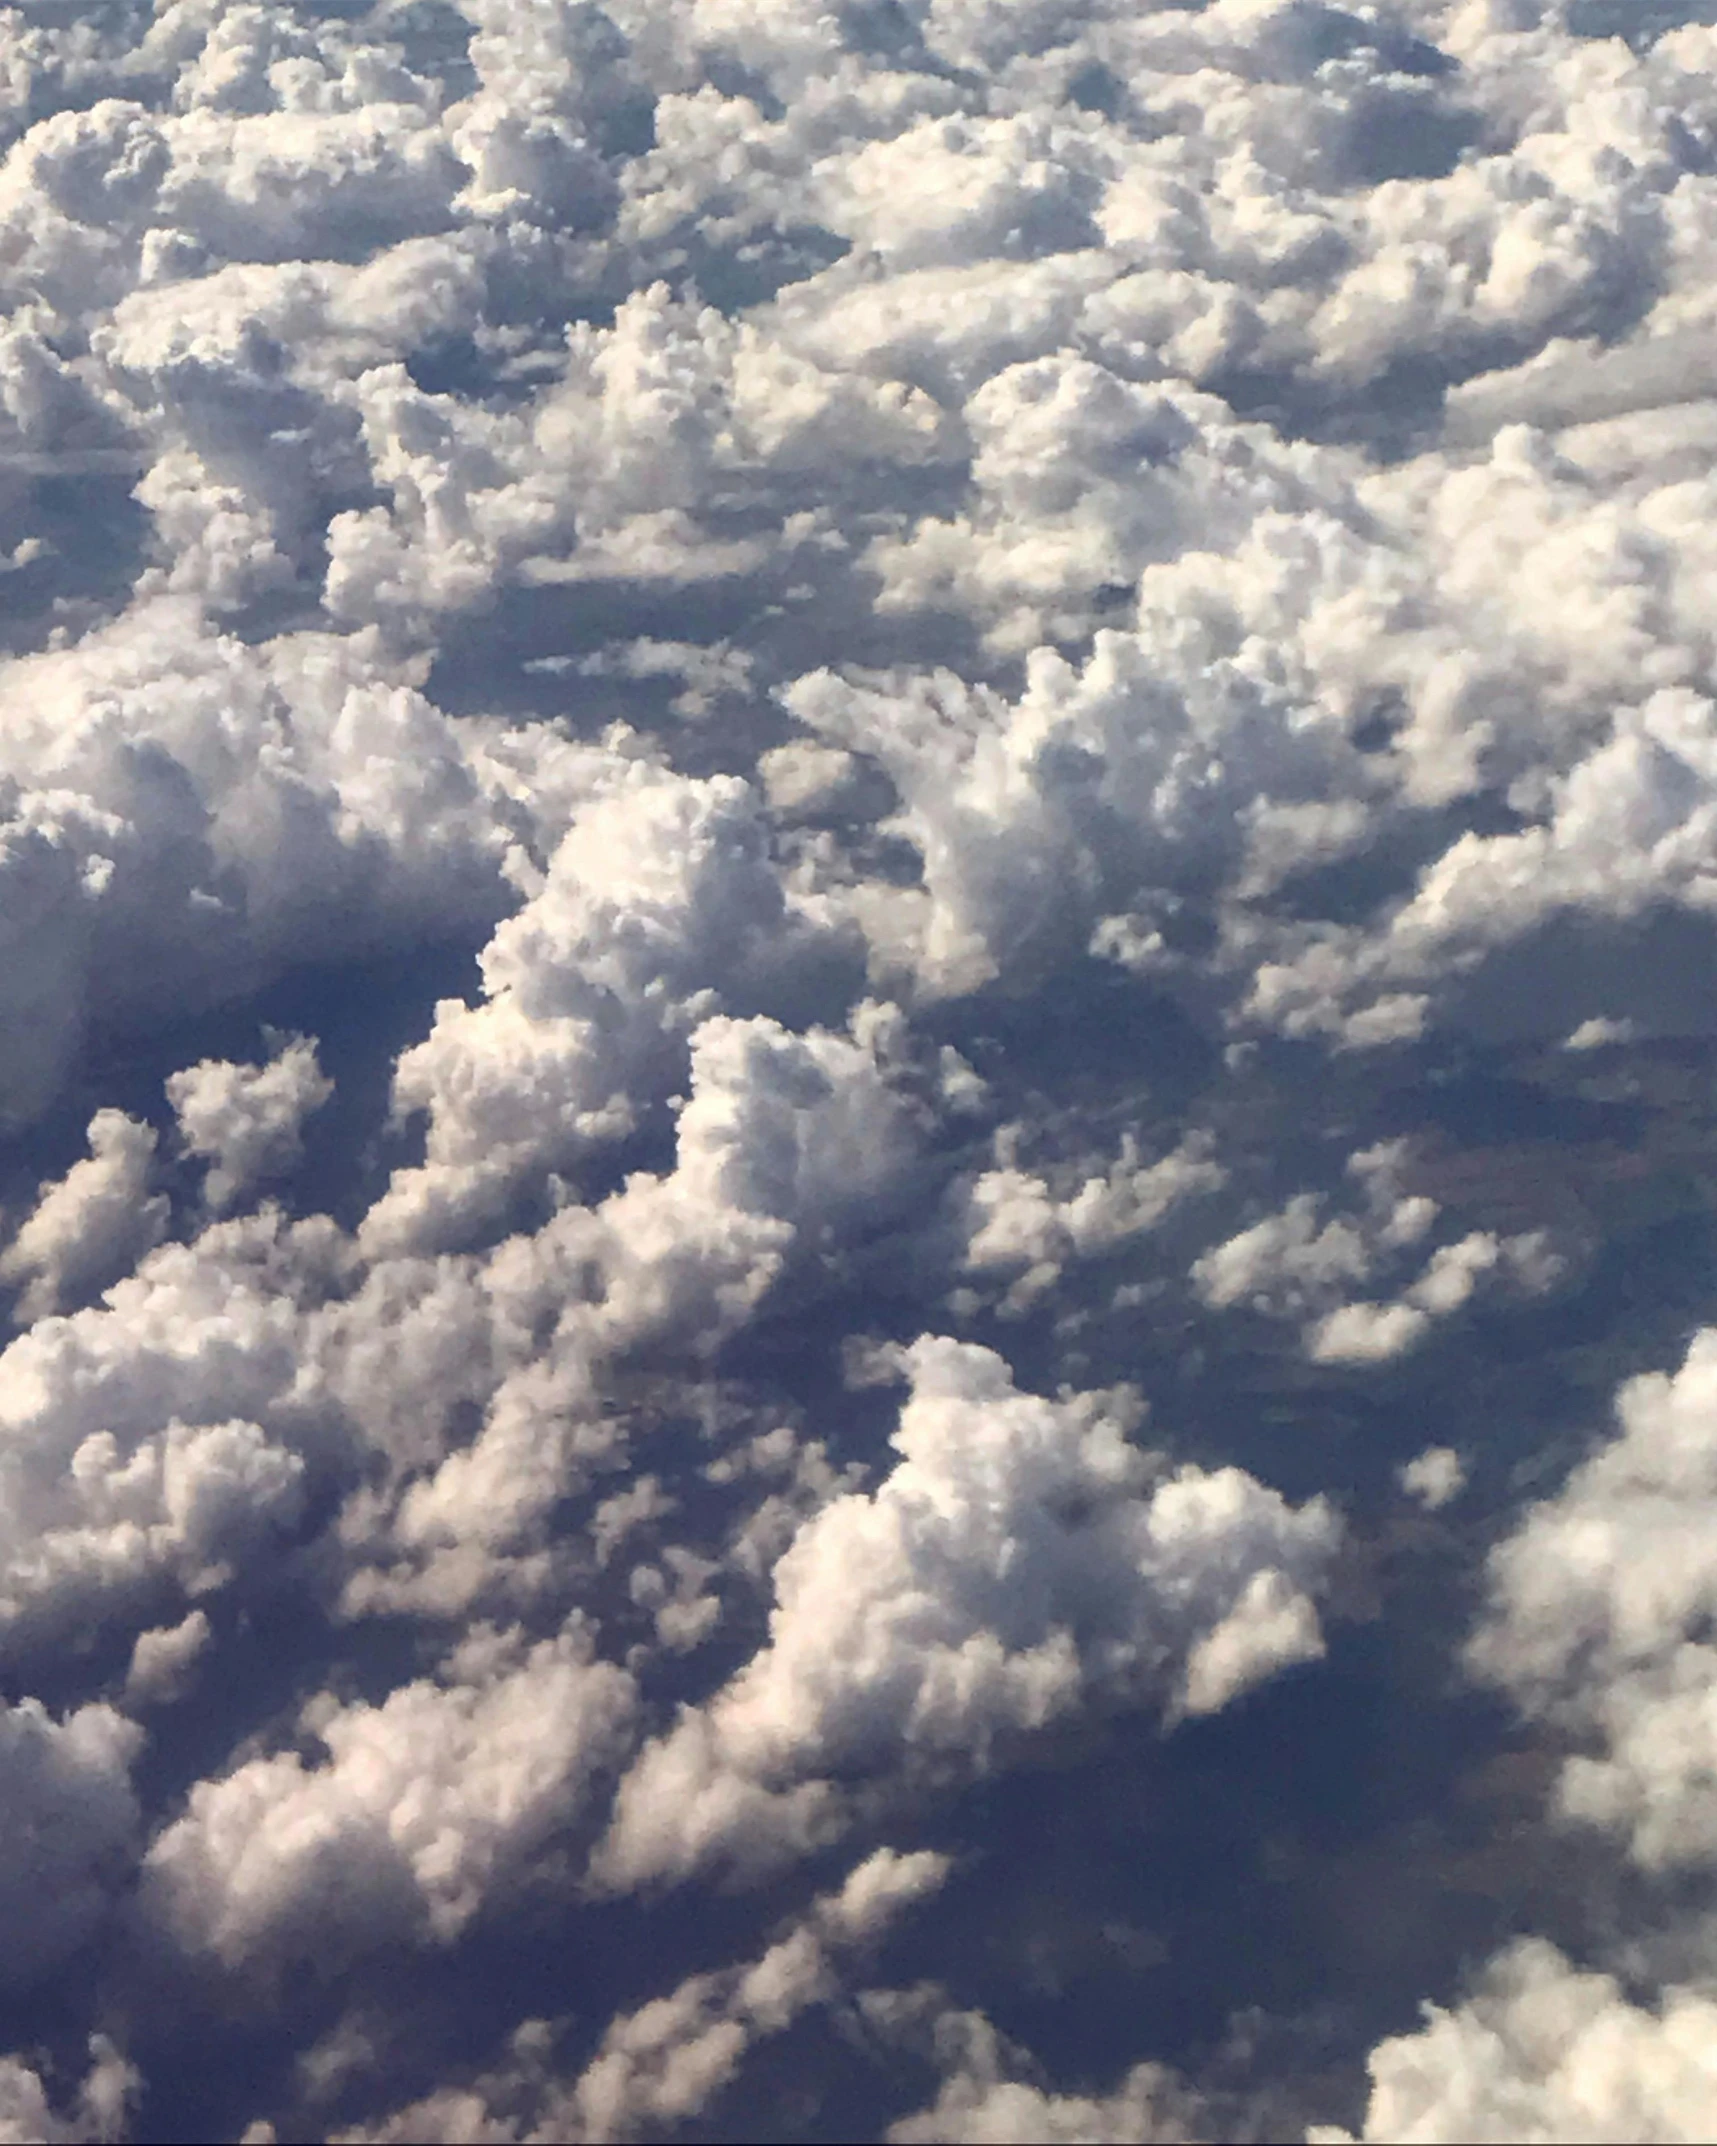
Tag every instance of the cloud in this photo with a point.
(245, 1119)
(1599, 1605)
(93, 1225)
(657, 893)
(987, 2092)
(1599, 1613)
(827, 553)
(1545, 2051)
(422, 1807)
(129, 1463)
(71, 1822)
(1295, 1265)
(1020, 1562)
(186, 815)
(98, 2115)
(1014, 1225)
(1435, 1477)
(164, 1660)
(667, 2061)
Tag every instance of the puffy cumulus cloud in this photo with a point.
(71, 1821)
(305, 183)
(612, 472)
(251, 244)
(1622, 832)
(163, 1438)
(1218, 751)
(1600, 1618)
(1278, 1259)
(245, 1120)
(77, 196)
(788, 1148)
(164, 1660)
(1083, 480)
(1069, 483)
(948, 192)
(658, 895)
(553, 87)
(990, 2092)
(1021, 1560)
(1015, 1228)
(1103, 790)
(93, 1225)
(1435, 1477)
(1545, 2051)
(423, 1806)
(99, 2114)
(186, 814)
(1294, 1264)
(150, 1440)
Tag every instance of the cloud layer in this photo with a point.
(857, 882)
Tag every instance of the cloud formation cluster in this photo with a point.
(686, 690)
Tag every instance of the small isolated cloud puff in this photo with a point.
(423, 1805)
(245, 1120)
(1549, 2053)
(1021, 1560)
(164, 1661)
(93, 1225)
(1435, 1477)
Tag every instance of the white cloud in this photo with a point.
(422, 1807)
(127, 1461)
(164, 1660)
(1015, 1226)
(1276, 1262)
(93, 1225)
(1600, 1614)
(187, 815)
(1021, 1561)
(1595, 1034)
(1600, 1605)
(443, 373)
(1296, 1265)
(667, 2061)
(99, 2115)
(988, 2094)
(245, 1119)
(1435, 1477)
(657, 895)
(1366, 1333)
(1547, 2052)
(664, 2063)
